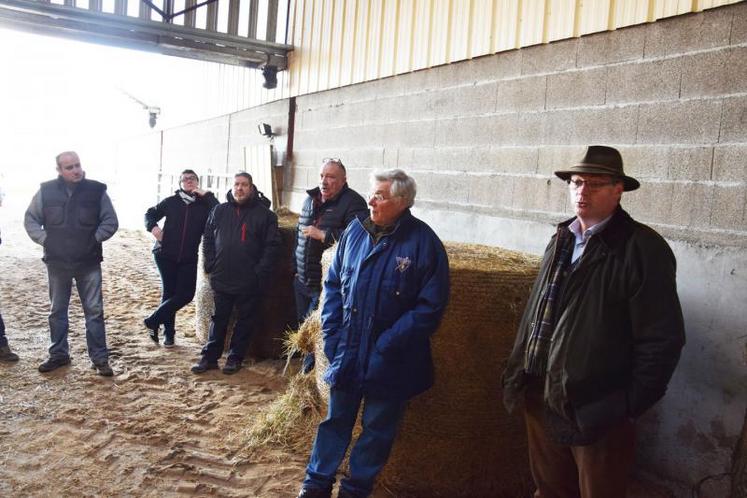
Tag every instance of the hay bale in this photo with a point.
(739, 465)
(277, 310)
(456, 439)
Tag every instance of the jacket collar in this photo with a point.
(404, 221)
(62, 184)
(615, 232)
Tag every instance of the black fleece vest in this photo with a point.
(70, 222)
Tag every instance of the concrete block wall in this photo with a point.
(482, 139)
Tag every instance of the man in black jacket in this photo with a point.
(600, 337)
(175, 250)
(326, 212)
(240, 246)
(70, 217)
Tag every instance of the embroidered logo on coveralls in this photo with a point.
(403, 263)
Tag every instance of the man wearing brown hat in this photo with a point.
(599, 340)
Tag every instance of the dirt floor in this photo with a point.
(154, 429)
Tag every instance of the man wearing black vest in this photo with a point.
(327, 210)
(70, 217)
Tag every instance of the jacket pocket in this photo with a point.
(54, 215)
(88, 215)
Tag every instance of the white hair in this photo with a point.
(402, 185)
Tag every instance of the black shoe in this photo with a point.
(231, 366)
(54, 363)
(204, 365)
(168, 340)
(315, 493)
(6, 355)
(104, 369)
(343, 493)
(152, 330)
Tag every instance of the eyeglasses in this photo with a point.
(335, 160)
(375, 196)
(190, 179)
(577, 184)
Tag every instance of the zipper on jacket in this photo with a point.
(184, 233)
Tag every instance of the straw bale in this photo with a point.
(739, 467)
(277, 310)
(456, 439)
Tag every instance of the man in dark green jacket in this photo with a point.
(600, 337)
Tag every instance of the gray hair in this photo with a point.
(403, 185)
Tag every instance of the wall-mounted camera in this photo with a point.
(265, 130)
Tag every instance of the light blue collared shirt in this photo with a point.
(583, 238)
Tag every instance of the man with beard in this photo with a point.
(240, 246)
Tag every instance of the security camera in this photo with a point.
(271, 77)
(265, 130)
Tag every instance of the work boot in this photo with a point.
(314, 493)
(204, 365)
(6, 355)
(152, 330)
(54, 363)
(104, 369)
(343, 493)
(232, 366)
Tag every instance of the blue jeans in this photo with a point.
(306, 299)
(370, 452)
(3, 339)
(88, 282)
(246, 310)
(306, 302)
(178, 282)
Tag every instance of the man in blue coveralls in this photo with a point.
(385, 293)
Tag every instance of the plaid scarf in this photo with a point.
(538, 345)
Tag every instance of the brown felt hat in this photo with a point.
(601, 160)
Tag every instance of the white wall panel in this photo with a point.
(340, 42)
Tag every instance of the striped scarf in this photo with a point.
(538, 345)
(187, 198)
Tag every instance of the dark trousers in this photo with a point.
(178, 281)
(246, 311)
(3, 339)
(599, 470)
(380, 421)
(306, 300)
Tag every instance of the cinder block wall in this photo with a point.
(482, 138)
